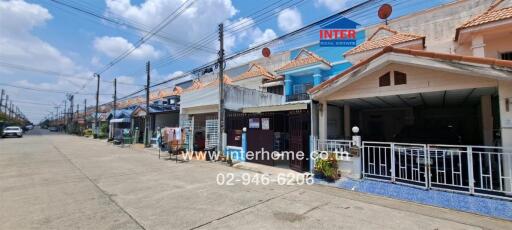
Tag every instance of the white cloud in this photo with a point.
(333, 5)
(174, 74)
(18, 45)
(261, 37)
(289, 19)
(201, 19)
(115, 46)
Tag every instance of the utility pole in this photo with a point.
(85, 113)
(96, 128)
(65, 117)
(221, 88)
(148, 80)
(6, 104)
(71, 107)
(2, 100)
(11, 111)
(115, 107)
(56, 117)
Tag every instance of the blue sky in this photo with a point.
(44, 35)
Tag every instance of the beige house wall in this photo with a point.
(250, 83)
(497, 45)
(439, 24)
(418, 80)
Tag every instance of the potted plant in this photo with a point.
(327, 168)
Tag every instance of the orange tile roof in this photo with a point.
(418, 53)
(176, 91)
(196, 84)
(227, 80)
(375, 43)
(490, 15)
(302, 61)
(255, 70)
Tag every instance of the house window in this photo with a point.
(400, 78)
(385, 80)
(297, 89)
(506, 56)
(301, 88)
(275, 89)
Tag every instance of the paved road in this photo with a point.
(51, 181)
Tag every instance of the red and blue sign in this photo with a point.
(341, 32)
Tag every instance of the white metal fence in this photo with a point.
(483, 170)
(337, 146)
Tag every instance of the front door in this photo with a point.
(257, 140)
(299, 139)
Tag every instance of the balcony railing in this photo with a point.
(297, 97)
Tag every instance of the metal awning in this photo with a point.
(275, 108)
(120, 120)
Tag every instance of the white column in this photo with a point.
(478, 46)
(314, 119)
(322, 126)
(487, 119)
(505, 92)
(346, 121)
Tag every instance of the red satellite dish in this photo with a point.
(385, 11)
(265, 52)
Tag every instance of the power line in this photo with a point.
(53, 73)
(46, 90)
(175, 14)
(285, 36)
(119, 22)
(229, 29)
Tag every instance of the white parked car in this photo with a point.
(12, 131)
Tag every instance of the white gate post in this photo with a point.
(471, 178)
(356, 160)
(392, 162)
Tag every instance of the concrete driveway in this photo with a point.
(53, 181)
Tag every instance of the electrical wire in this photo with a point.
(47, 90)
(129, 25)
(54, 73)
(175, 14)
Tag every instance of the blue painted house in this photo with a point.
(311, 65)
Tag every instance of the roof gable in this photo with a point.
(418, 53)
(496, 12)
(382, 37)
(227, 80)
(303, 58)
(255, 70)
(342, 23)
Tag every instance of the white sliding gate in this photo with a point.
(483, 170)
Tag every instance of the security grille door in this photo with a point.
(212, 133)
(186, 125)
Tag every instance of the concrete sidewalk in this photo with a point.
(66, 182)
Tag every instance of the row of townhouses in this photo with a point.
(430, 93)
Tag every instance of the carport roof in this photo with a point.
(479, 61)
